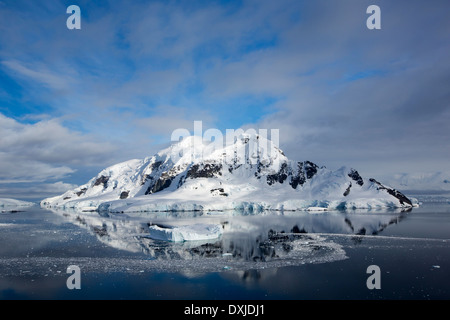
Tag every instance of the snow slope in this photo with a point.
(436, 181)
(251, 174)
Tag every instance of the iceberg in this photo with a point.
(317, 209)
(195, 232)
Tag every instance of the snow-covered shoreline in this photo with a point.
(157, 204)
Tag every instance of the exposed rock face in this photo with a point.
(207, 170)
(219, 192)
(102, 181)
(124, 194)
(81, 192)
(280, 176)
(356, 177)
(310, 169)
(347, 191)
(296, 176)
(162, 183)
(393, 192)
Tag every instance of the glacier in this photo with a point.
(194, 175)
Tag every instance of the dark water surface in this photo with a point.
(291, 255)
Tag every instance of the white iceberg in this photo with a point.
(195, 232)
(316, 209)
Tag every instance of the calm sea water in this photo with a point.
(269, 255)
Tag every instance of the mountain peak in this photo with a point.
(240, 149)
(244, 170)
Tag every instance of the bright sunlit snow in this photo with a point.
(250, 175)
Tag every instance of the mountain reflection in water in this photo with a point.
(267, 237)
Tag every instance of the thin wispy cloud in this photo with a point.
(47, 78)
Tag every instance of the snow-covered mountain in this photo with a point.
(251, 174)
(435, 181)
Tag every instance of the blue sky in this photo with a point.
(75, 101)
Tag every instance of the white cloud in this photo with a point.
(46, 150)
(42, 76)
(35, 192)
(168, 118)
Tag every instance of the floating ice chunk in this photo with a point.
(195, 232)
(6, 225)
(317, 209)
(89, 209)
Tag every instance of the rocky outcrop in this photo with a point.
(393, 192)
(356, 177)
(206, 170)
(124, 194)
(102, 181)
(347, 191)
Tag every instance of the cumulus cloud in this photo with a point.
(374, 100)
(35, 192)
(45, 150)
